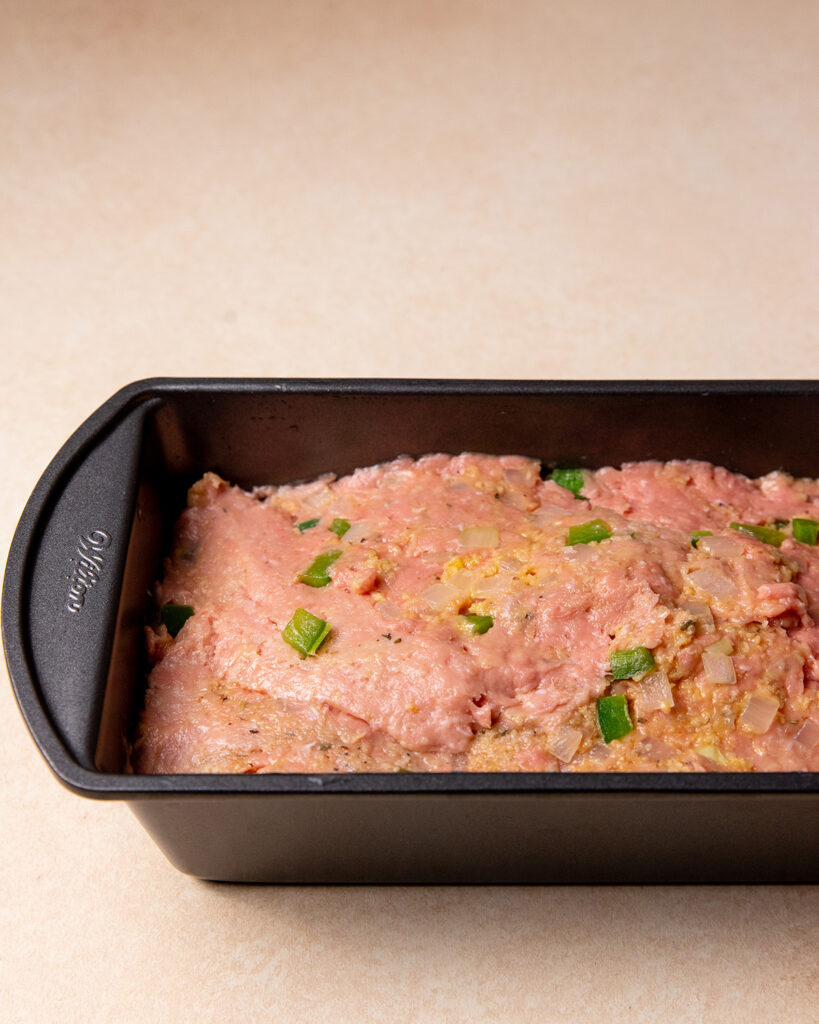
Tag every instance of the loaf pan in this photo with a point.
(89, 547)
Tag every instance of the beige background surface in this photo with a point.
(422, 189)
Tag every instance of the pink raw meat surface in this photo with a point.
(403, 683)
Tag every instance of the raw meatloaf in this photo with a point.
(462, 613)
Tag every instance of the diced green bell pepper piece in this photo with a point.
(588, 533)
(806, 531)
(630, 663)
(768, 534)
(571, 479)
(478, 623)
(306, 632)
(316, 574)
(174, 616)
(340, 526)
(613, 717)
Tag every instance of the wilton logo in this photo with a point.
(90, 559)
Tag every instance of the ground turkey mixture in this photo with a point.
(462, 613)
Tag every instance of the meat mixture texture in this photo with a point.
(464, 614)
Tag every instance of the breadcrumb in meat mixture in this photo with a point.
(464, 614)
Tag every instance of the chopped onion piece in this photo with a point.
(389, 610)
(463, 581)
(714, 754)
(721, 646)
(546, 515)
(657, 749)
(480, 537)
(516, 476)
(318, 498)
(515, 499)
(510, 564)
(808, 735)
(721, 547)
(718, 667)
(713, 583)
(654, 694)
(439, 595)
(563, 743)
(359, 531)
(492, 586)
(700, 611)
(514, 715)
(761, 711)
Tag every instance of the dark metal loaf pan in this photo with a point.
(89, 547)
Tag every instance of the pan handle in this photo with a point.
(61, 589)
